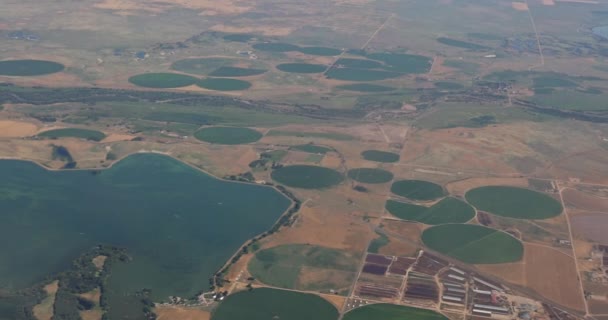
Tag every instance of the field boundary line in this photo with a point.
(471, 242)
(540, 48)
(377, 31)
(549, 247)
(578, 270)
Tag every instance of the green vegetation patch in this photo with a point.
(572, 100)
(238, 37)
(358, 63)
(266, 303)
(276, 47)
(201, 66)
(466, 67)
(380, 156)
(446, 85)
(228, 135)
(403, 63)
(448, 210)
(301, 134)
(307, 177)
(25, 68)
(365, 87)
(281, 266)
(311, 148)
(320, 51)
(274, 155)
(301, 67)
(473, 244)
(162, 80)
(236, 72)
(370, 175)
(385, 311)
(93, 135)
(553, 82)
(514, 202)
(376, 244)
(461, 44)
(418, 190)
(353, 74)
(224, 84)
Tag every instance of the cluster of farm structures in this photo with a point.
(429, 281)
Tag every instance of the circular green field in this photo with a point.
(162, 80)
(403, 63)
(473, 244)
(29, 67)
(224, 84)
(448, 210)
(385, 311)
(307, 177)
(93, 135)
(358, 63)
(282, 267)
(418, 190)
(514, 202)
(268, 304)
(320, 51)
(201, 66)
(276, 47)
(236, 72)
(365, 87)
(228, 135)
(370, 175)
(380, 156)
(301, 67)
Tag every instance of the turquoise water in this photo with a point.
(601, 31)
(179, 224)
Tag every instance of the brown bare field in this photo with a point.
(313, 278)
(548, 2)
(99, 261)
(598, 306)
(405, 231)
(323, 226)
(590, 226)
(93, 295)
(265, 30)
(240, 265)
(463, 149)
(12, 129)
(94, 314)
(181, 313)
(331, 161)
(114, 137)
(587, 166)
(337, 301)
(462, 186)
(399, 247)
(519, 6)
(584, 201)
(44, 310)
(510, 272)
(553, 275)
(207, 7)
